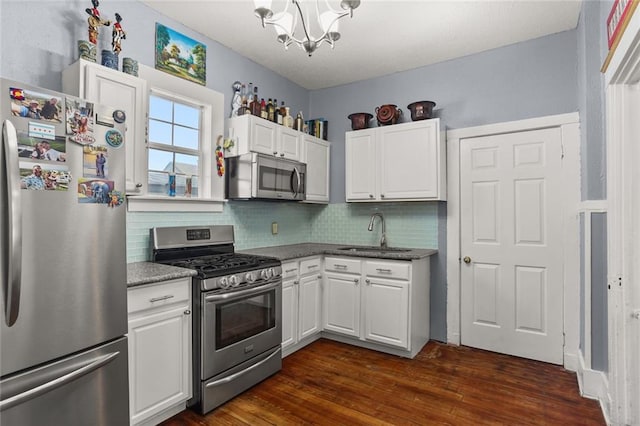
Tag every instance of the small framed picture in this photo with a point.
(180, 55)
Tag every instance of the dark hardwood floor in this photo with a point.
(330, 383)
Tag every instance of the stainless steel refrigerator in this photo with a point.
(63, 349)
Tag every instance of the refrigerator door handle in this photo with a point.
(11, 223)
(92, 365)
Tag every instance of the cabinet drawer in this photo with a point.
(398, 270)
(289, 270)
(310, 266)
(341, 264)
(158, 295)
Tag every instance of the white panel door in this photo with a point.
(309, 301)
(511, 244)
(342, 304)
(289, 313)
(408, 154)
(361, 166)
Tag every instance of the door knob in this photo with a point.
(467, 259)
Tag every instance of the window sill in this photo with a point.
(150, 203)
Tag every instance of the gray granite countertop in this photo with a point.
(293, 251)
(140, 273)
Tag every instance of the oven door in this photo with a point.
(239, 325)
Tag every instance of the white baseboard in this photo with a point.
(594, 385)
(571, 361)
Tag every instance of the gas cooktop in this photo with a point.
(223, 264)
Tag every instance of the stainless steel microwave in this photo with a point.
(262, 176)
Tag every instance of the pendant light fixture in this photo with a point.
(287, 24)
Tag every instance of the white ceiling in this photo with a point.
(384, 36)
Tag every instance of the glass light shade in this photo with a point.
(283, 23)
(325, 21)
(262, 4)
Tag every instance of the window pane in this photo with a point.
(159, 132)
(186, 115)
(194, 186)
(158, 183)
(160, 160)
(185, 137)
(160, 108)
(187, 164)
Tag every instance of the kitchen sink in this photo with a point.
(358, 249)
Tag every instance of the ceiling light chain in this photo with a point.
(285, 23)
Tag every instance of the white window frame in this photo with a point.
(211, 186)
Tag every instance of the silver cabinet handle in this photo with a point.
(381, 195)
(387, 271)
(187, 312)
(312, 266)
(356, 280)
(138, 185)
(296, 282)
(275, 152)
(340, 266)
(290, 270)
(370, 195)
(368, 281)
(157, 299)
(282, 154)
(11, 223)
(60, 381)
(319, 276)
(241, 373)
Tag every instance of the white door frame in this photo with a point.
(570, 128)
(623, 225)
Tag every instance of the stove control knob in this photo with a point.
(250, 277)
(224, 282)
(233, 281)
(271, 272)
(264, 274)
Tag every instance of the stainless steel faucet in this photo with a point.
(383, 238)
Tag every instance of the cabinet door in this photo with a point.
(263, 136)
(317, 157)
(289, 313)
(409, 161)
(289, 143)
(119, 90)
(309, 305)
(360, 165)
(387, 311)
(159, 361)
(342, 304)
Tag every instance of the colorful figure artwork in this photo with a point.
(95, 21)
(180, 55)
(117, 35)
(80, 121)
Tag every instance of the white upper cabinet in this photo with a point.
(255, 134)
(113, 88)
(402, 162)
(317, 156)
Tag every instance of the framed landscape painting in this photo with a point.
(180, 55)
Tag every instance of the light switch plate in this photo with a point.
(274, 228)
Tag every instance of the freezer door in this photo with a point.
(71, 291)
(89, 388)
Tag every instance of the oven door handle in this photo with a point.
(241, 373)
(233, 295)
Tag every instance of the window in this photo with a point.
(183, 122)
(174, 146)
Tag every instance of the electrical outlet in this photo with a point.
(274, 228)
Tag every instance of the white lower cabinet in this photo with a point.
(375, 302)
(159, 350)
(301, 303)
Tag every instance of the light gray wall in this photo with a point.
(529, 79)
(39, 40)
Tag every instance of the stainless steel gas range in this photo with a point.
(237, 321)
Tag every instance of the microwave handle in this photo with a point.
(295, 189)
